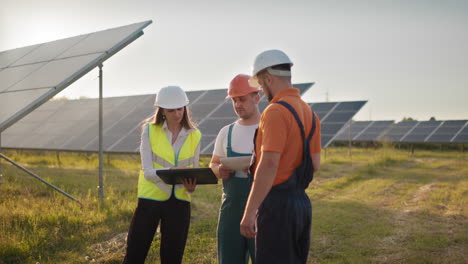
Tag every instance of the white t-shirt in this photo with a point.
(241, 139)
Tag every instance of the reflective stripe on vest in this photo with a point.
(165, 157)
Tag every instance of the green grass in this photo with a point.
(376, 206)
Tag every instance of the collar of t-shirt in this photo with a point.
(285, 92)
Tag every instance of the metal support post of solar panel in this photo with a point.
(30, 76)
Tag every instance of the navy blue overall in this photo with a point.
(285, 217)
(232, 246)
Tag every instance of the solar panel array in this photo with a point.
(72, 125)
(223, 115)
(363, 131)
(445, 131)
(30, 76)
(454, 131)
(333, 116)
(420, 131)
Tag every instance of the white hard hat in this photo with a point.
(267, 59)
(171, 97)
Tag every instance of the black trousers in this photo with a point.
(174, 216)
(283, 228)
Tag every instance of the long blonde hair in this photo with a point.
(158, 118)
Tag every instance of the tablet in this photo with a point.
(175, 176)
(236, 163)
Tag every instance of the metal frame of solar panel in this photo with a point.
(333, 116)
(30, 76)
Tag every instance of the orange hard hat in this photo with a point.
(239, 86)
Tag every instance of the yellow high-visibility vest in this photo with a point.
(165, 157)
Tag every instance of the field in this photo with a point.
(375, 206)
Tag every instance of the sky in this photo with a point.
(407, 58)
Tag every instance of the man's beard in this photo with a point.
(268, 92)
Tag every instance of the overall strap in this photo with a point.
(229, 147)
(298, 120)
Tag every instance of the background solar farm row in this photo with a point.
(72, 125)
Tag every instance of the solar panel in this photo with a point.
(262, 105)
(347, 133)
(7, 58)
(322, 109)
(333, 116)
(213, 96)
(225, 110)
(373, 131)
(303, 87)
(207, 144)
(420, 132)
(447, 131)
(462, 135)
(29, 76)
(193, 95)
(50, 51)
(119, 118)
(201, 111)
(399, 130)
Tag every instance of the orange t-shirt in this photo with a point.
(278, 131)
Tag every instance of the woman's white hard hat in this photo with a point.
(171, 97)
